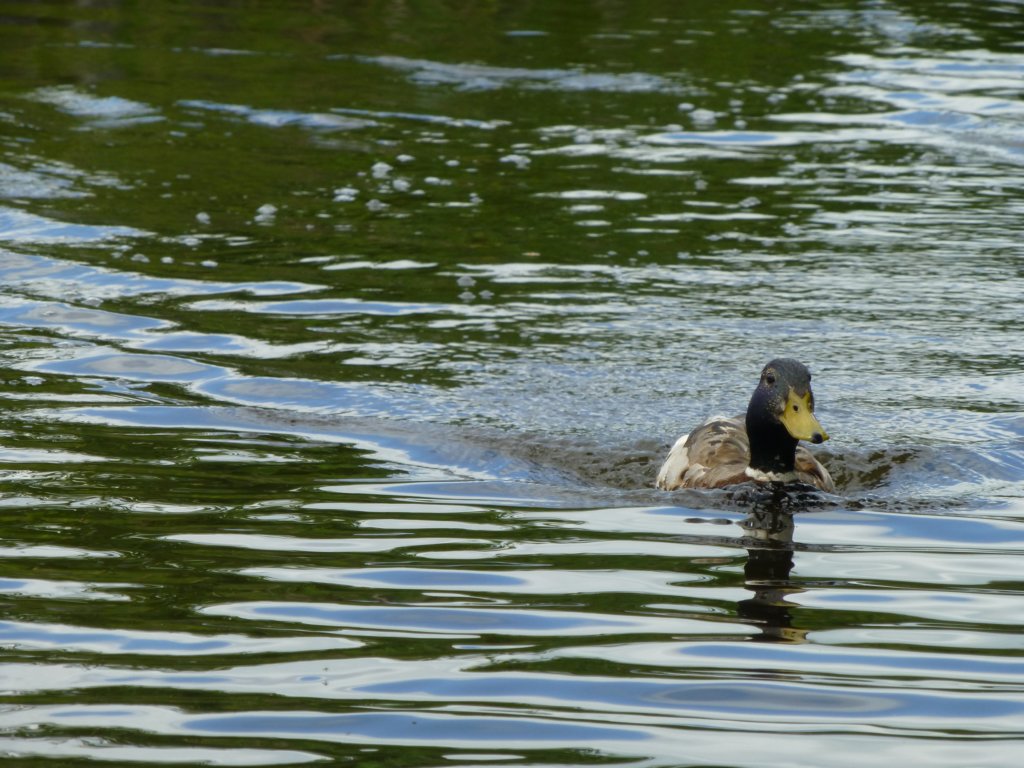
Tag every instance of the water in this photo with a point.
(340, 346)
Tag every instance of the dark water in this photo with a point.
(340, 343)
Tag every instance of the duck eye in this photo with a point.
(769, 378)
(796, 407)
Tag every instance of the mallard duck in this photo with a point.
(763, 447)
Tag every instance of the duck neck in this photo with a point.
(772, 448)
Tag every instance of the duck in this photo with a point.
(761, 447)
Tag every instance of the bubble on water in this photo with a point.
(191, 241)
(203, 217)
(140, 258)
(437, 182)
(791, 229)
(466, 281)
(685, 107)
(33, 381)
(703, 118)
(749, 202)
(467, 295)
(401, 185)
(345, 194)
(208, 263)
(452, 163)
(166, 259)
(380, 170)
(405, 158)
(265, 213)
(375, 206)
(486, 295)
(700, 185)
(519, 161)
(475, 199)
(740, 124)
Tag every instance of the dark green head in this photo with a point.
(781, 412)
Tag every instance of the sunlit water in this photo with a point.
(340, 348)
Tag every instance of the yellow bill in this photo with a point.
(798, 418)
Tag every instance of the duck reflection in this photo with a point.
(769, 528)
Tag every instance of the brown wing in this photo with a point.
(715, 454)
(811, 471)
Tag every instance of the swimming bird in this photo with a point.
(762, 447)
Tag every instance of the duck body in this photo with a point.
(762, 446)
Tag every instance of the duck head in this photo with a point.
(781, 413)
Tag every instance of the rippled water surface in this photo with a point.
(340, 344)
